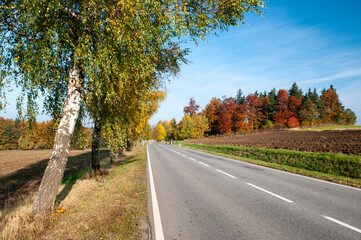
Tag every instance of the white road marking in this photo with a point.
(158, 229)
(204, 164)
(276, 170)
(271, 193)
(192, 159)
(229, 175)
(343, 224)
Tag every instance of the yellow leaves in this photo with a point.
(185, 10)
(16, 59)
(160, 132)
(60, 210)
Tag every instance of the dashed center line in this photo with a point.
(271, 193)
(229, 175)
(343, 224)
(204, 164)
(192, 159)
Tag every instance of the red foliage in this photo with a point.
(282, 111)
(294, 105)
(225, 123)
(192, 108)
(293, 122)
(253, 107)
(227, 109)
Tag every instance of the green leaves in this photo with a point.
(125, 48)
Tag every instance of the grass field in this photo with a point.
(338, 168)
(21, 171)
(113, 206)
(331, 127)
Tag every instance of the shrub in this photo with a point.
(305, 123)
(268, 125)
(292, 122)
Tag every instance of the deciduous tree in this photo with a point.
(254, 111)
(333, 107)
(45, 43)
(212, 111)
(282, 112)
(159, 132)
(192, 107)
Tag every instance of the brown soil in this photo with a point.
(22, 171)
(346, 141)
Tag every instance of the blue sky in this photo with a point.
(313, 43)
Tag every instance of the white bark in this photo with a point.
(45, 197)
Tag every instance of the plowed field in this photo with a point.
(336, 141)
(21, 171)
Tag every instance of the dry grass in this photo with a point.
(112, 207)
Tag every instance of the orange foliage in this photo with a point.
(333, 107)
(211, 111)
(293, 122)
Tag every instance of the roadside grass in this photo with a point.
(337, 168)
(331, 127)
(112, 206)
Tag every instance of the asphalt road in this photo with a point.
(203, 196)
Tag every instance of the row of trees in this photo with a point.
(108, 58)
(17, 135)
(290, 108)
(191, 126)
(282, 108)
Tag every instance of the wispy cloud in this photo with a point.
(343, 74)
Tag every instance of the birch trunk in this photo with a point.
(48, 190)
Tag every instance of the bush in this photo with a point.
(292, 122)
(268, 125)
(305, 124)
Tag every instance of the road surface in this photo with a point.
(195, 195)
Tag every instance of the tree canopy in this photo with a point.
(101, 53)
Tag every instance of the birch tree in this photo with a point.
(48, 43)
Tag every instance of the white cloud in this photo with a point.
(343, 74)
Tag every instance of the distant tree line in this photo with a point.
(282, 108)
(21, 135)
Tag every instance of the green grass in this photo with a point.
(328, 166)
(331, 127)
(74, 177)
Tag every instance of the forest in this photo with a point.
(273, 109)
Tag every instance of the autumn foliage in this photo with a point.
(282, 108)
(288, 108)
(18, 135)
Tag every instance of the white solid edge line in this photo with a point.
(271, 193)
(343, 224)
(229, 175)
(277, 170)
(158, 229)
(204, 164)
